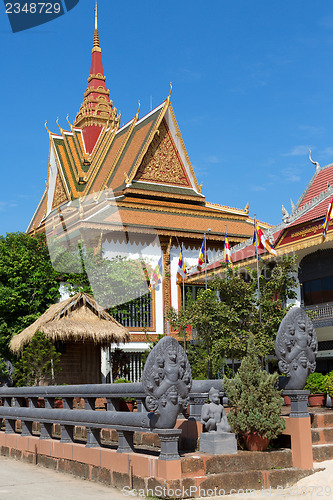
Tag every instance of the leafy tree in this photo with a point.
(254, 399)
(226, 314)
(28, 284)
(277, 287)
(238, 315)
(39, 362)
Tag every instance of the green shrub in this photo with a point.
(329, 384)
(316, 383)
(256, 402)
(40, 362)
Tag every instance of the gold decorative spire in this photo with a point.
(96, 47)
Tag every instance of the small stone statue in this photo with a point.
(7, 380)
(296, 347)
(217, 438)
(213, 416)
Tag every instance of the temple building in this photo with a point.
(301, 234)
(131, 191)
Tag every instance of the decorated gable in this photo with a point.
(162, 163)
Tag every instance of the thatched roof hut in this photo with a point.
(78, 319)
(83, 327)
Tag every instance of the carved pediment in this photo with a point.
(59, 193)
(162, 163)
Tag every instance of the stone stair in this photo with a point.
(244, 471)
(322, 435)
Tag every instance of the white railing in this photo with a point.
(323, 311)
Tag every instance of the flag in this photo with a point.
(156, 276)
(327, 218)
(260, 240)
(181, 265)
(202, 256)
(227, 251)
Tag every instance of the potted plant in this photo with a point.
(316, 384)
(125, 403)
(255, 414)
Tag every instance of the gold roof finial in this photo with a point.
(57, 122)
(246, 209)
(137, 113)
(96, 47)
(170, 91)
(49, 131)
(96, 23)
(69, 123)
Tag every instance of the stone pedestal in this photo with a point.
(298, 403)
(218, 443)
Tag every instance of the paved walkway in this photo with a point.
(19, 480)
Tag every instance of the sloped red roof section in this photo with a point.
(318, 185)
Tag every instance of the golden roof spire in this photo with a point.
(96, 47)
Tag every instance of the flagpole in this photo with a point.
(183, 278)
(225, 250)
(205, 259)
(257, 259)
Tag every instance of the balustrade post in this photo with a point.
(93, 437)
(169, 444)
(26, 428)
(49, 402)
(67, 403)
(10, 426)
(89, 403)
(67, 433)
(112, 404)
(45, 431)
(125, 440)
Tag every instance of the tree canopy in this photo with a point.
(230, 310)
(28, 283)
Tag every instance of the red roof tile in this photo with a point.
(318, 185)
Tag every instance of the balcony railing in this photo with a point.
(323, 314)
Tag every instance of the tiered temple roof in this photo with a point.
(143, 165)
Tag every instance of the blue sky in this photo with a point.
(252, 91)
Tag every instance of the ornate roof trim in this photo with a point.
(309, 205)
(216, 206)
(306, 190)
(100, 154)
(131, 126)
(182, 145)
(31, 223)
(150, 138)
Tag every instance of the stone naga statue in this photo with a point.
(213, 416)
(296, 347)
(167, 381)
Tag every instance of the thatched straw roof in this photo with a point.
(78, 318)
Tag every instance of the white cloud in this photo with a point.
(311, 129)
(290, 174)
(7, 204)
(298, 151)
(258, 187)
(212, 159)
(327, 152)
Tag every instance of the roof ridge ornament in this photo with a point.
(315, 163)
(49, 131)
(57, 122)
(169, 95)
(96, 46)
(69, 123)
